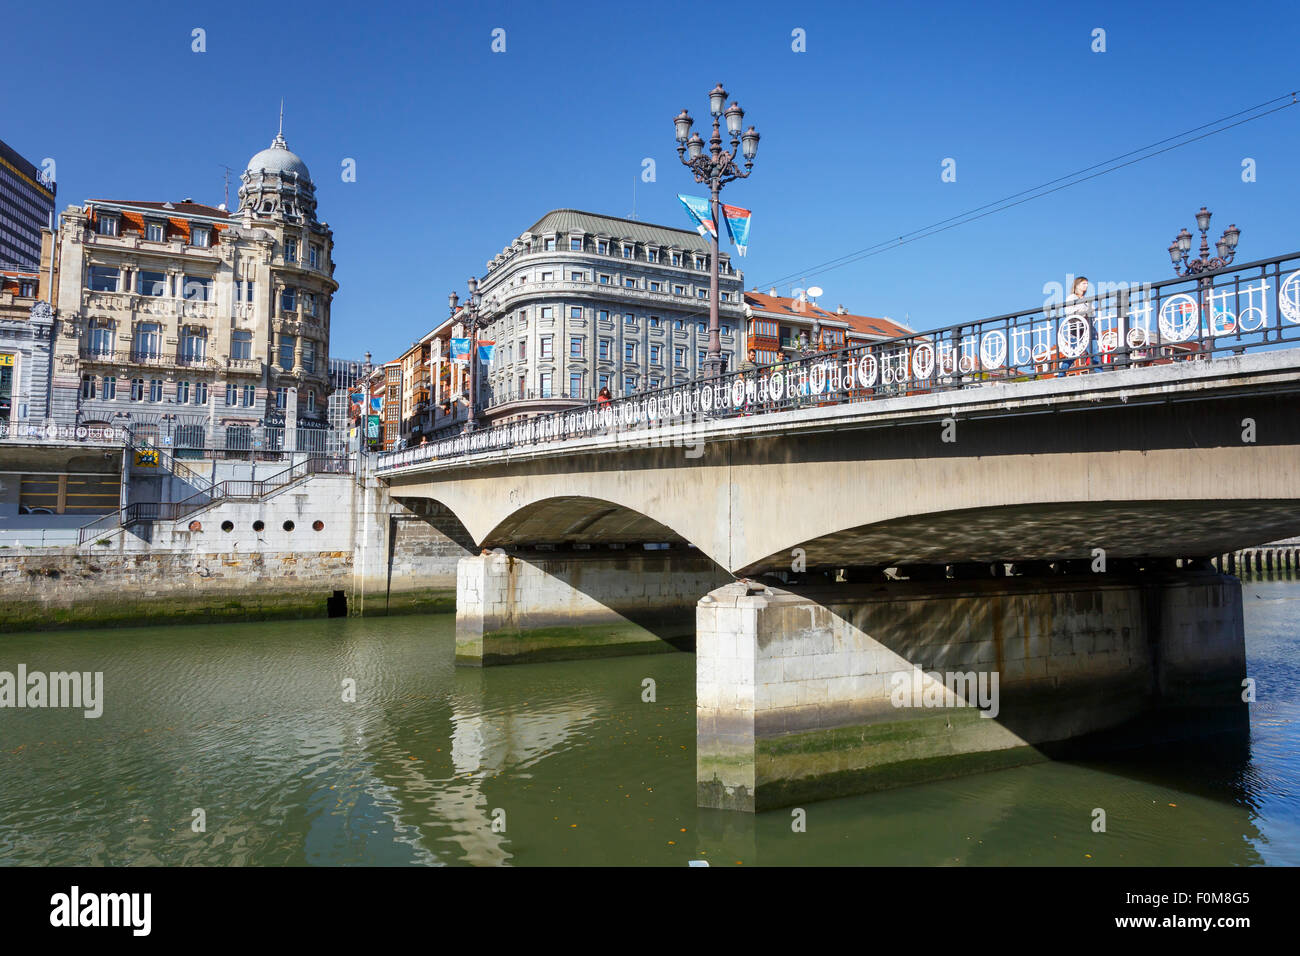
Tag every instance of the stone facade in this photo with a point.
(196, 323)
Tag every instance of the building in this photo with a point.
(582, 301)
(26, 207)
(26, 335)
(203, 329)
(344, 374)
(775, 325)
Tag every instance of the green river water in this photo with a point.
(556, 763)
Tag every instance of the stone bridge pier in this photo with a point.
(534, 605)
(816, 692)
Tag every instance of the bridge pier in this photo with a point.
(564, 605)
(830, 690)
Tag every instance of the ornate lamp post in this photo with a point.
(717, 168)
(1225, 247)
(473, 320)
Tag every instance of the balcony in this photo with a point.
(149, 306)
(145, 359)
(507, 296)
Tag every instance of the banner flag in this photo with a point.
(737, 220)
(699, 212)
(485, 351)
(460, 350)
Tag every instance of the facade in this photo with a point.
(205, 329)
(581, 301)
(343, 375)
(26, 207)
(26, 334)
(775, 326)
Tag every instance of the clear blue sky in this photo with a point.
(459, 149)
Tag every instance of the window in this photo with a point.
(101, 279)
(546, 346)
(548, 276)
(603, 315)
(627, 252)
(604, 280)
(678, 324)
(194, 344)
(87, 386)
(309, 303)
(602, 247)
(679, 290)
(314, 256)
(700, 356)
(521, 385)
(198, 288)
(656, 287)
(575, 245)
(652, 255)
(629, 319)
(629, 384)
(137, 390)
(288, 299)
(629, 282)
(702, 328)
(603, 380)
(148, 341)
(677, 258)
(101, 339)
(106, 225)
(604, 348)
(200, 393)
(199, 237)
(548, 312)
(725, 296)
(654, 355)
(654, 321)
(576, 346)
(679, 357)
(699, 263)
(291, 250)
(154, 232)
(549, 245)
(308, 355)
(546, 385)
(288, 344)
(575, 311)
(241, 345)
(523, 349)
(311, 401)
(151, 283)
(701, 293)
(155, 390)
(281, 398)
(575, 384)
(27, 288)
(629, 351)
(724, 329)
(244, 290)
(577, 277)
(249, 396)
(182, 393)
(110, 387)
(655, 382)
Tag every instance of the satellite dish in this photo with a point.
(815, 291)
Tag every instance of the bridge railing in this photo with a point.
(1249, 307)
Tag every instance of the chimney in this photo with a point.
(772, 291)
(840, 310)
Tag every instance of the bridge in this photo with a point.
(1002, 497)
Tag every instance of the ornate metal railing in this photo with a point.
(1246, 308)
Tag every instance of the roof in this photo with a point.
(575, 220)
(863, 324)
(174, 209)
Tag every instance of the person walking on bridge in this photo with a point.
(1079, 309)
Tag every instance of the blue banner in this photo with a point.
(486, 351)
(737, 226)
(460, 350)
(699, 212)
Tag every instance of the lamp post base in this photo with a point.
(715, 365)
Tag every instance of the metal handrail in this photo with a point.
(1248, 307)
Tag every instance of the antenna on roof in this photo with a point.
(281, 132)
(226, 177)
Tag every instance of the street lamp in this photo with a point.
(1225, 246)
(717, 168)
(473, 320)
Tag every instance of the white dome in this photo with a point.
(279, 159)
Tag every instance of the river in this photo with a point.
(244, 728)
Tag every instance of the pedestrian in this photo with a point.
(603, 397)
(1079, 309)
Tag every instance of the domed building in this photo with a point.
(203, 327)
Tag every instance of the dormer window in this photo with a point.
(549, 245)
(575, 244)
(267, 205)
(627, 252)
(107, 225)
(677, 258)
(200, 237)
(652, 255)
(602, 247)
(155, 232)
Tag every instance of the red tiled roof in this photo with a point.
(862, 324)
(177, 208)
